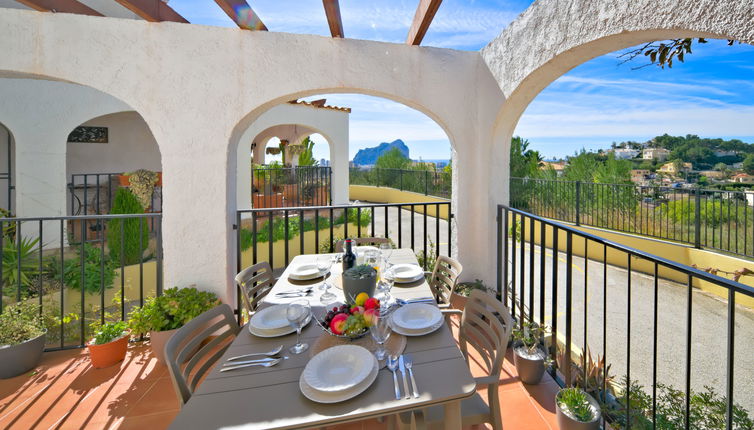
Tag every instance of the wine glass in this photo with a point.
(380, 331)
(324, 263)
(385, 285)
(386, 249)
(372, 259)
(297, 314)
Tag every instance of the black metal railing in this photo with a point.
(93, 194)
(275, 235)
(428, 182)
(278, 187)
(642, 313)
(716, 219)
(80, 269)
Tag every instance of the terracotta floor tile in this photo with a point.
(160, 397)
(160, 420)
(519, 413)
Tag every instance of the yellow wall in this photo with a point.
(683, 254)
(368, 193)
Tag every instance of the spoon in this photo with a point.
(392, 365)
(240, 366)
(275, 351)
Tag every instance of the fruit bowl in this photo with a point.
(350, 321)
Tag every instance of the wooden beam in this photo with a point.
(62, 6)
(332, 10)
(153, 10)
(242, 14)
(425, 13)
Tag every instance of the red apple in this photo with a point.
(338, 323)
(371, 303)
(371, 316)
(356, 310)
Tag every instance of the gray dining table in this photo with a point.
(270, 398)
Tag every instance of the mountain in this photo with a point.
(369, 156)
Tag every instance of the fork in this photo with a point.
(409, 363)
(392, 365)
(263, 364)
(275, 351)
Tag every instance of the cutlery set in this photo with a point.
(303, 292)
(269, 360)
(404, 365)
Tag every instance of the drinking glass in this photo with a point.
(385, 285)
(298, 313)
(372, 259)
(380, 331)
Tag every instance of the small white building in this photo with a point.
(721, 153)
(625, 153)
(660, 154)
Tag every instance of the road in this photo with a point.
(708, 332)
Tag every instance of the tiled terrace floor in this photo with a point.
(65, 392)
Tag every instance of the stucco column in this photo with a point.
(339, 166)
(243, 174)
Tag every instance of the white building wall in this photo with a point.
(6, 138)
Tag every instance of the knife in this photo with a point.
(402, 367)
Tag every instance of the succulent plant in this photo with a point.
(362, 271)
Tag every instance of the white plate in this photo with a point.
(362, 250)
(270, 318)
(276, 332)
(407, 272)
(417, 332)
(416, 316)
(305, 272)
(322, 397)
(338, 369)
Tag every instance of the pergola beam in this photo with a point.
(62, 6)
(332, 10)
(153, 10)
(423, 17)
(242, 14)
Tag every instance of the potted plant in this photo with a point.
(22, 338)
(529, 356)
(463, 290)
(576, 410)
(160, 317)
(109, 344)
(357, 280)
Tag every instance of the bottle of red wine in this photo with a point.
(349, 257)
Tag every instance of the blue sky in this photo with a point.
(599, 102)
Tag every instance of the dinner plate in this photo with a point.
(424, 332)
(338, 368)
(305, 272)
(270, 318)
(407, 272)
(275, 332)
(416, 316)
(362, 250)
(325, 397)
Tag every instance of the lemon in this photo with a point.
(361, 298)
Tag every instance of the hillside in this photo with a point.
(368, 156)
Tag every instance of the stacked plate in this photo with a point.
(405, 273)
(271, 322)
(305, 272)
(338, 374)
(416, 319)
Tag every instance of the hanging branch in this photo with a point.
(663, 53)
(735, 275)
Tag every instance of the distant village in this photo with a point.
(656, 165)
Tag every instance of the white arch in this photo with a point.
(552, 37)
(332, 124)
(199, 88)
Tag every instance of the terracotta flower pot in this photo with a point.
(565, 422)
(123, 180)
(530, 368)
(108, 354)
(20, 358)
(158, 340)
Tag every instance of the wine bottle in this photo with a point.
(349, 257)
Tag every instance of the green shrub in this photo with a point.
(172, 310)
(108, 332)
(26, 252)
(93, 270)
(134, 241)
(20, 322)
